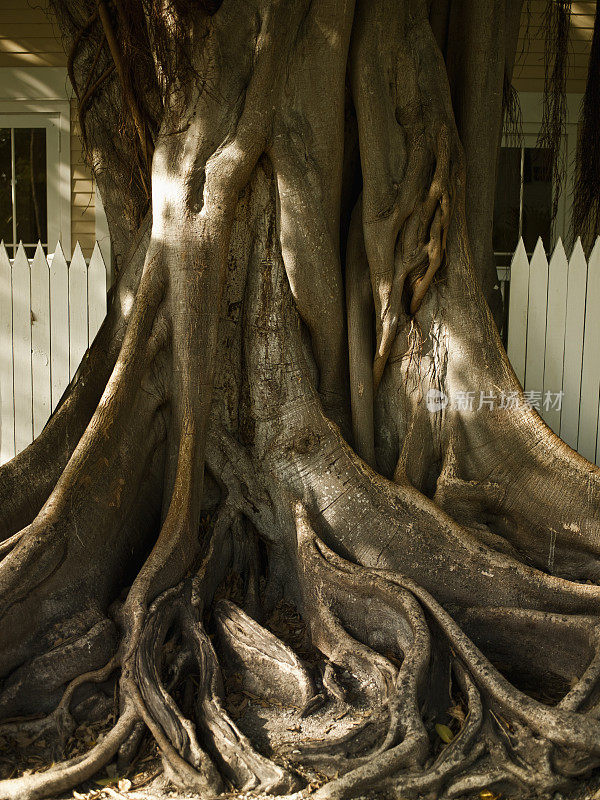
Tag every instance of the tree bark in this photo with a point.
(438, 559)
(481, 44)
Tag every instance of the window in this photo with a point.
(31, 196)
(23, 188)
(523, 203)
(35, 169)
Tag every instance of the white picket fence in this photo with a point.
(50, 312)
(554, 338)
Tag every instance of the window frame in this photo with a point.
(38, 97)
(531, 109)
(529, 141)
(48, 123)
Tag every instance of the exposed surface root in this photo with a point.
(240, 762)
(65, 775)
(271, 670)
(436, 648)
(510, 733)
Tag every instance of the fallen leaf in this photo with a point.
(105, 781)
(445, 734)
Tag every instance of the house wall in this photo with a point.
(83, 190)
(29, 39)
(529, 66)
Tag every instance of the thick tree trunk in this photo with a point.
(480, 48)
(447, 560)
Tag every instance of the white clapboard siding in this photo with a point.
(7, 406)
(555, 333)
(590, 369)
(22, 378)
(50, 312)
(574, 327)
(518, 305)
(536, 319)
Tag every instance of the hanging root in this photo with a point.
(404, 228)
(435, 215)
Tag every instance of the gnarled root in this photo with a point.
(404, 228)
(507, 739)
(411, 608)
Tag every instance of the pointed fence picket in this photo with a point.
(7, 405)
(590, 367)
(553, 336)
(97, 286)
(536, 317)
(78, 310)
(50, 312)
(21, 312)
(574, 331)
(517, 310)
(555, 332)
(40, 340)
(59, 325)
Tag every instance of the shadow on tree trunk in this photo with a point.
(445, 586)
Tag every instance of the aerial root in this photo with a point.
(418, 243)
(435, 214)
(359, 305)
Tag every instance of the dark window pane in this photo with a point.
(506, 204)
(6, 231)
(30, 167)
(537, 197)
